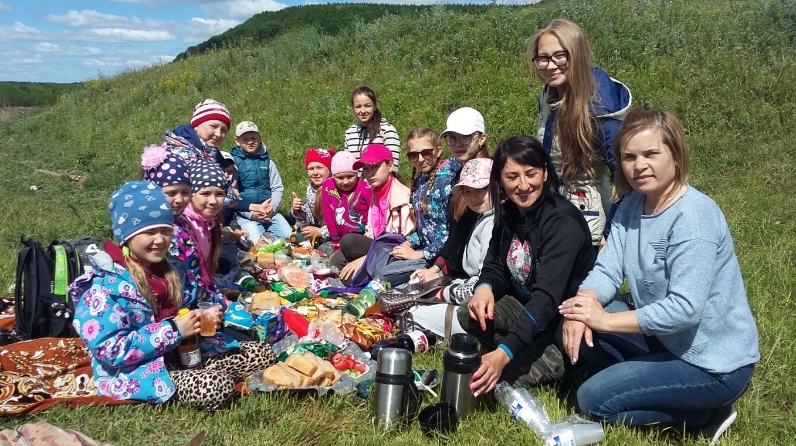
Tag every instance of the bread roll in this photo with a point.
(302, 364)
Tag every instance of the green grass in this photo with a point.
(726, 68)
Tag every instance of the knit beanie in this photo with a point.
(210, 109)
(137, 207)
(343, 162)
(206, 174)
(164, 168)
(323, 156)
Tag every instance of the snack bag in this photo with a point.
(295, 277)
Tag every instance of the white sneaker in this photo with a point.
(719, 423)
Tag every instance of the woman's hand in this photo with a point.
(297, 203)
(188, 324)
(481, 305)
(426, 275)
(574, 332)
(585, 307)
(404, 252)
(351, 268)
(488, 374)
(311, 232)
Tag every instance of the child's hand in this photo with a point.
(240, 233)
(189, 324)
(403, 252)
(311, 232)
(297, 203)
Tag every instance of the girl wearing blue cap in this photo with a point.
(126, 311)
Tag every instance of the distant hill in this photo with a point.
(329, 19)
(33, 94)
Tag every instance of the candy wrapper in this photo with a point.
(364, 334)
(320, 349)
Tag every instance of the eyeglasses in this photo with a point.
(558, 58)
(464, 140)
(425, 153)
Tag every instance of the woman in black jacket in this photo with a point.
(540, 252)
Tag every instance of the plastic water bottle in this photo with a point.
(524, 406)
(575, 430)
(570, 431)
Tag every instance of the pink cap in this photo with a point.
(373, 154)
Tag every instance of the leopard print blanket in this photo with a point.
(37, 374)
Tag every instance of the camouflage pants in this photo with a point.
(540, 362)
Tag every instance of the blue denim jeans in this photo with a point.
(278, 227)
(635, 381)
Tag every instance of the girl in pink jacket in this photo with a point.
(345, 199)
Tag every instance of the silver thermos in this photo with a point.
(396, 398)
(459, 362)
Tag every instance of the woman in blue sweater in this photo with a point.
(688, 349)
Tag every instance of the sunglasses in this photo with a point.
(425, 153)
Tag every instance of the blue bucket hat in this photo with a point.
(136, 207)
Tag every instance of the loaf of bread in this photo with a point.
(282, 376)
(302, 364)
(302, 370)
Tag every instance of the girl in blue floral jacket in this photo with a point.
(431, 194)
(126, 312)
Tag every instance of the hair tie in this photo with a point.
(126, 251)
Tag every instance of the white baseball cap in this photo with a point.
(465, 121)
(245, 126)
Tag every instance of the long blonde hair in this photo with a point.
(574, 126)
(139, 277)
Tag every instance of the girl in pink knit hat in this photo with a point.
(345, 199)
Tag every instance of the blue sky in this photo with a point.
(76, 40)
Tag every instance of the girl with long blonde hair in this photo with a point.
(580, 111)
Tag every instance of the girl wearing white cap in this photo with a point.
(466, 136)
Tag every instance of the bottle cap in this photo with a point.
(184, 311)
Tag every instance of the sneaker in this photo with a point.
(719, 423)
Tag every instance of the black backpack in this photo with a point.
(42, 303)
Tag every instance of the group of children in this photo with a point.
(546, 200)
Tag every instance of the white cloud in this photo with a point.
(46, 47)
(123, 35)
(240, 9)
(4, 7)
(91, 18)
(18, 31)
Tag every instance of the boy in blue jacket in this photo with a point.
(259, 182)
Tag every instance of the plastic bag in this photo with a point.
(295, 277)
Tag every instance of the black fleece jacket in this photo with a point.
(562, 253)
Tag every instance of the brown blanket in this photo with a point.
(37, 374)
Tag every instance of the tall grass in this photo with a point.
(726, 68)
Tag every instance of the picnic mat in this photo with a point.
(37, 374)
(45, 434)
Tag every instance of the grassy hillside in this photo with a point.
(726, 68)
(329, 19)
(32, 94)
